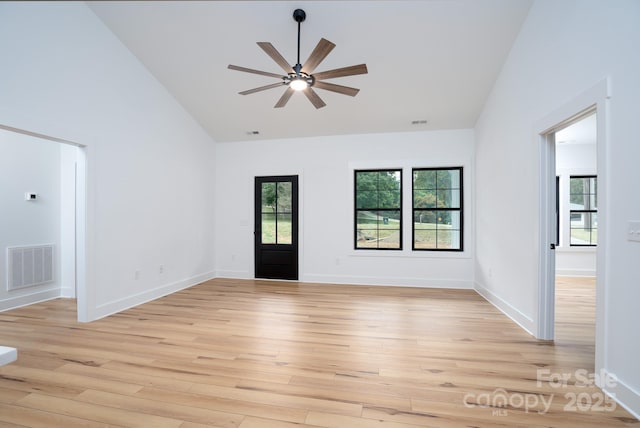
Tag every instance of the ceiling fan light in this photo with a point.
(299, 84)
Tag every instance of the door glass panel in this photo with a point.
(276, 213)
(268, 213)
(283, 200)
(268, 228)
(284, 229)
(268, 197)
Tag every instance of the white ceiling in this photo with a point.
(433, 60)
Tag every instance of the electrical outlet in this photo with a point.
(161, 269)
(136, 275)
(634, 231)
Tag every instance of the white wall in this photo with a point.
(573, 159)
(325, 166)
(150, 178)
(29, 164)
(564, 49)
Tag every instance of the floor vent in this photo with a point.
(29, 266)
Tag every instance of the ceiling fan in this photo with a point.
(302, 77)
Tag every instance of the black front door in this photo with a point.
(276, 227)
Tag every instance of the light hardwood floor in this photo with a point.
(260, 354)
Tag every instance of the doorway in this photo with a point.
(70, 254)
(577, 233)
(584, 104)
(276, 227)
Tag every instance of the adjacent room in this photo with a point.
(319, 214)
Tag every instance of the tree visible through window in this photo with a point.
(378, 209)
(276, 213)
(437, 209)
(583, 202)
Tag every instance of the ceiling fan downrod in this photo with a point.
(299, 16)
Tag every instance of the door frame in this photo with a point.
(296, 204)
(594, 99)
(82, 292)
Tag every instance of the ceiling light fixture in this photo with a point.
(301, 77)
(298, 81)
(298, 84)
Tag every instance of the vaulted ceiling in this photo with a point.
(433, 60)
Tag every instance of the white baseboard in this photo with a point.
(68, 292)
(516, 316)
(362, 280)
(116, 306)
(29, 299)
(7, 355)
(234, 274)
(575, 272)
(626, 396)
(388, 281)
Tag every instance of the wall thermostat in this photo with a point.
(30, 196)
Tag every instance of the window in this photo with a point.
(276, 212)
(378, 209)
(583, 209)
(437, 209)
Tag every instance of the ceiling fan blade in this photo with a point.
(261, 88)
(342, 72)
(275, 55)
(285, 98)
(345, 90)
(250, 70)
(314, 98)
(320, 52)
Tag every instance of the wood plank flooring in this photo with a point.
(265, 354)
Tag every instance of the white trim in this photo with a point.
(29, 299)
(235, 274)
(524, 321)
(596, 98)
(623, 394)
(546, 236)
(373, 281)
(149, 295)
(7, 355)
(395, 281)
(575, 272)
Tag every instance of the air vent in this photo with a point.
(419, 122)
(29, 266)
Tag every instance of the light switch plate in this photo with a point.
(633, 233)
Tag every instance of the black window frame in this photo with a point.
(589, 211)
(460, 209)
(356, 230)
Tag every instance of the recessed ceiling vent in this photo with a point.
(29, 266)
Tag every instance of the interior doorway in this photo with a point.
(70, 251)
(585, 104)
(577, 234)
